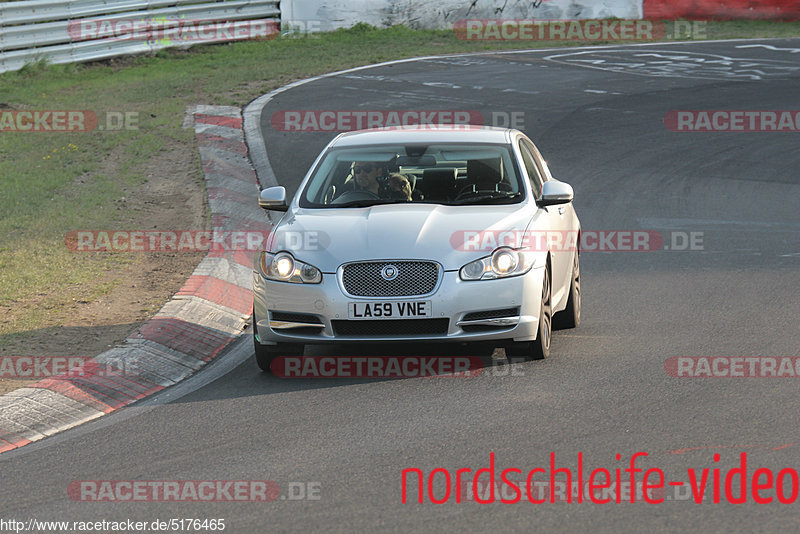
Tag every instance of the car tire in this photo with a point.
(266, 354)
(540, 348)
(571, 316)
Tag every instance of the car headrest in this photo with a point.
(439, 184)
(485, 173)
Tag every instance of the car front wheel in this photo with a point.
(540, 348)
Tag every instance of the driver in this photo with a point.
(374, 178)
(369, 175)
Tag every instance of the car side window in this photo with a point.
(530, 166)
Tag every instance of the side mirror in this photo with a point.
(273, 198)
(555, 192)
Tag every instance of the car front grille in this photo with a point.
(395, 327)
(414, 278)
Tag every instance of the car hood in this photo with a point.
(327, 238)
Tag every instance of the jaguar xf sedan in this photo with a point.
(420, 235)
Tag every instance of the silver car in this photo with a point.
(431, 234)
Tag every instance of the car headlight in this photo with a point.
(282, 267)
(503, 262)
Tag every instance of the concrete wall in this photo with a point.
(331, 14)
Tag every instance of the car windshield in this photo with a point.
(450, 174)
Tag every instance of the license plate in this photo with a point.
(389, 310)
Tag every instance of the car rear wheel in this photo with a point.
(571, 316)
(266, 354)
(540, 348)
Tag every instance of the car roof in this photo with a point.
(426, 134)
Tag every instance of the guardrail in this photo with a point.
(86, 30)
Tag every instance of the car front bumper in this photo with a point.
(287, 312)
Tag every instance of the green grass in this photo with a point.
(54, 182)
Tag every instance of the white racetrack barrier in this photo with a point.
(87, 30)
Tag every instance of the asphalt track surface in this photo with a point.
(598, 119)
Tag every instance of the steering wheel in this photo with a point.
(351, 196)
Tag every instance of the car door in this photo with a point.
(559, 222)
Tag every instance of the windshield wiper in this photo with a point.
(497, 195)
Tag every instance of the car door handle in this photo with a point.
(561, 210)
